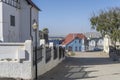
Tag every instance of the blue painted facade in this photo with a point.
(76, 45)
(56, 42)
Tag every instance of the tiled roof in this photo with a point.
(71, 37)
(92, 34)
(33, 4)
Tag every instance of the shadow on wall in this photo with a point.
(7, 79)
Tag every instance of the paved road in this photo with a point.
(85, 66)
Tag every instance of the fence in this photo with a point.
(39, 54)
(48, 54)
(55, 52)
(50, 58)
(61, 52)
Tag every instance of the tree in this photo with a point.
(107, 22)
(45, 32)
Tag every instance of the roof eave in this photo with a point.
(33, 4)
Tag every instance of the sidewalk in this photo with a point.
(85, 66)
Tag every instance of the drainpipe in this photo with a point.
(31, 23)
(31, 37)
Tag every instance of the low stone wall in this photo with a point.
(17, 59)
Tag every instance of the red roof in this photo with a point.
(72, 36)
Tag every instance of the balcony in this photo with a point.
(13, 3)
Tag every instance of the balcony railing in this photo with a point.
(13, 3)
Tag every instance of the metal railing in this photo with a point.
(55, 52)
(39, 54)
(48, 54)
(13, 3)
(61, 52)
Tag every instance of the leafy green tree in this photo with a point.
(107, 22)
(45, 32)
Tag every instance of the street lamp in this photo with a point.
(35, 26)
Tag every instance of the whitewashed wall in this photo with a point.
(91, 45)
(10, 33)
(25, 21)
(1, 20)
(21, 31)
(35, 16)
(16, 60)
(106, 43)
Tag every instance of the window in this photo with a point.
(76, 49)
(100, 41)
(16, 0)
(79, 48)
(75, 41)
(12, 20)
(79, 41)
(69, 48)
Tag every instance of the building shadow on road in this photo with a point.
(74, 68)
(67, 72)
(92, 61)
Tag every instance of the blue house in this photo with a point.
(56, 40)
(74, 42)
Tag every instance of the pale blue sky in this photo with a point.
(70, 16)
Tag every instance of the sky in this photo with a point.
(62, 17)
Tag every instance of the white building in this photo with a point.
(16, 19)
(17, 59)
(95, 43)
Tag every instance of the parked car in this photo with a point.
(97, 49)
